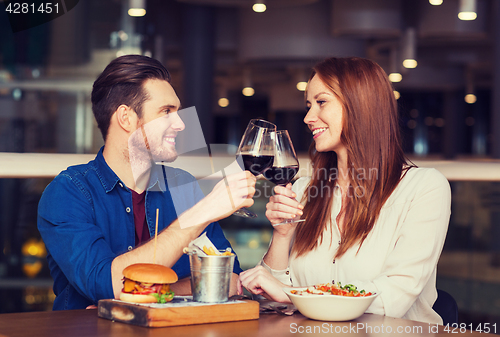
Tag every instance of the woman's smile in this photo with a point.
(317, 132)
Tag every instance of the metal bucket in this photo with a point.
(210, 277)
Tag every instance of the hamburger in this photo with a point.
(147, 283)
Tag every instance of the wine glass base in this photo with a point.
(289, 221)
(245, 213)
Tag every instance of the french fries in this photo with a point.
(212, 251)
(209, 251)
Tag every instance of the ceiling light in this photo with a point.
(470, 98)
(410, 63)
(136, 12)
(247, 83)
(467, 10)
(137, 8)
(395, 77)
(301, 86)
(394, 66)
(259, 7)
(223, 102)
(409, 48)
(248, 91)
(467, 16)
(435, 2)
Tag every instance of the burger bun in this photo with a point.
(150, 273)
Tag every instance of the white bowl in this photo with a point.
(330, 307)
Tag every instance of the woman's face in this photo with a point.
(324, 117)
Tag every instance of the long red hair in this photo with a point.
(370, 133)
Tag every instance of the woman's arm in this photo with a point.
(281, 206)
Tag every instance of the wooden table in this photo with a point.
(75, 323)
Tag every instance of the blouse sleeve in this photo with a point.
(281, 275)
(412, 262)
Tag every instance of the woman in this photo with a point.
(373, 219)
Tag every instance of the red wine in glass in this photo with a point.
(257, 164)
(256, 152)
(281, 175)
(285, 163)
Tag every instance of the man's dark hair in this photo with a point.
(122, 83)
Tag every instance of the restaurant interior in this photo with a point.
(235, 60)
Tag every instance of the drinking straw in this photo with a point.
(156, 232)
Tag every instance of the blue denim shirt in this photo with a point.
(86, 219)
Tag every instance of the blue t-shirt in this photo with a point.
(86, 219)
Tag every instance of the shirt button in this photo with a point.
(121, 185)
(127, 209)
(333, 261)
(288, 272)
(339, 243)
(130, 248)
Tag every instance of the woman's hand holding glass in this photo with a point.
(285, 167)
(282, 207)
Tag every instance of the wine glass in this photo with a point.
(255, 152)
(285, 164)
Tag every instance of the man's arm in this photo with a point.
(182, 287)
(188, 226)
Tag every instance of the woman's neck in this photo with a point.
(343, 170)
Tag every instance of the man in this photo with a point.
(96, 219)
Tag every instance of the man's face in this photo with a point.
(159, 124)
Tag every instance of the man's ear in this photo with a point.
(126, 118)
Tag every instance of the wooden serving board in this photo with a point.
(181, 311)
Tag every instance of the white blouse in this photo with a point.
(398, 259)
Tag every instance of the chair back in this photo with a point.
(446, 307)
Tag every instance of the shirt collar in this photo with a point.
(109, 179)
(157, 178)
(106, 175)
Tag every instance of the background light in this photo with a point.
(223, 102)
(248, 91)
(470, 98)
(410, 63)
(436, 2)
(136, 12)
(137, 8)
(409, 48)
(301, 86)
(439, 122)
(467, 16)
(17, 94)
(395, 77)
(467, 10)
(259, 7)
(397, 95)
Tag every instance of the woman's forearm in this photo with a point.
(277, 254)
